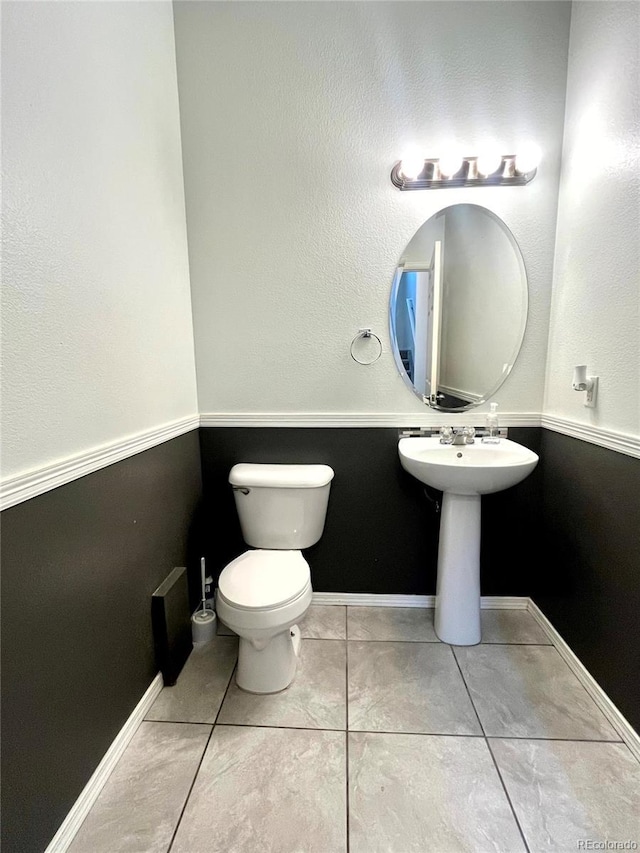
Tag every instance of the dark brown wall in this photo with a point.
(381, 534)
(79, 565)
(589, 580)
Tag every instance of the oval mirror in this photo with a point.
(458, 307)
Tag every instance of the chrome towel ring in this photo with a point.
(372, 346)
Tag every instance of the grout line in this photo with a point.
(473, 704)
(186, 799)
(484, 736)
(283, 728)
(495, 764)
(552, 739)
(391, 732)
(504, 787)
(233, 672)
(204, 752)
(325, 639)
(412, 734)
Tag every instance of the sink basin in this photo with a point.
(463, 472)
(469, 469)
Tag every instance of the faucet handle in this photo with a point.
(446, 435)
(469, 433)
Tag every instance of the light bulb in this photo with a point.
(489, 161)
(450, 163)
(528, 158)
(411, 166)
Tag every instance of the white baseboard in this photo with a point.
(367, 599)
(622, 726)
(80, 809)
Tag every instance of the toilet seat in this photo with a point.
(261, 580)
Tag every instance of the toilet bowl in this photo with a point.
(263, 593)
(261, 596)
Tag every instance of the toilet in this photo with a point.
(263, 593)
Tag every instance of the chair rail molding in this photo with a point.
(621, 442)
(361, 419)
(21, 487)
(626, 443)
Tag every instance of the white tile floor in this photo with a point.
(388, 741)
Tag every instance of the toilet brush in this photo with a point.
(203, 622)
(203, 583)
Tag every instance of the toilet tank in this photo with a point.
(281, 506)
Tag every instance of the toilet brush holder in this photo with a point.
(203, 626)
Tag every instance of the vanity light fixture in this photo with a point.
(484, 170)
(450, 164)
(528, 158)
(488, 161)
(411, 166)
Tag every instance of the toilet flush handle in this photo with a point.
(240, 489)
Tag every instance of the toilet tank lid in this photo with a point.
(281, 476)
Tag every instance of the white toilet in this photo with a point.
(263, 593)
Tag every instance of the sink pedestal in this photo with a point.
(457, 617)
(463, 473)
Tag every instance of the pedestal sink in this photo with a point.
(464, 473)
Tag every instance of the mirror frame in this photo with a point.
(523, 325)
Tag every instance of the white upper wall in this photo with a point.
(97, 332)
(595, 318)
(292, 117)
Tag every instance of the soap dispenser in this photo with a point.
(492, 436)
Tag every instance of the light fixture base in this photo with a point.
(431, 178)
(592, 392)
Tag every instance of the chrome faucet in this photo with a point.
(457, 435)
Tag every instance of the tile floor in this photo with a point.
(388, 741)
